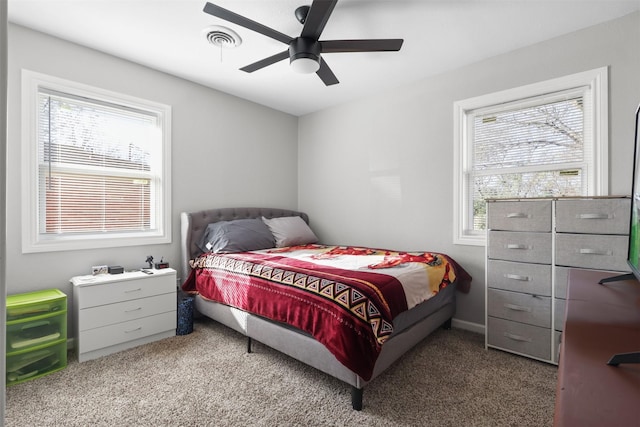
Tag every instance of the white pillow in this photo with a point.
(290, 231)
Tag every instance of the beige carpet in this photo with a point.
(208, 379)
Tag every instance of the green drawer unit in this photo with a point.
(36, 335)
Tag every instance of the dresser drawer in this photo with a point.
(520, 338)
(599, 252)
(524, 308)
(520, 216)
(521, 247)
(561, 281)
(95, 317)
(593, 216)
(519, 277)
(557, 340)
(106, 336)
(558, 307)
(125, 290)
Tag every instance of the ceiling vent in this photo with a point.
(222, 37)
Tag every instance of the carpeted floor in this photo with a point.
(208, 379)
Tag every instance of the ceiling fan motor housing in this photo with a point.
(302, 47)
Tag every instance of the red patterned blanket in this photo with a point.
(350, 311)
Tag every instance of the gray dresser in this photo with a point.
(531, 245)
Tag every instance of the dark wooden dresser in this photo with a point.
(601, 320)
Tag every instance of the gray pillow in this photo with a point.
(239, 235)
(290, 231)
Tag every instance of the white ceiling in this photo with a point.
(439, 35)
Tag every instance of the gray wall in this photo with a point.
(378, 172)
(225, 152)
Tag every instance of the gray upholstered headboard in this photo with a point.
(194, 224)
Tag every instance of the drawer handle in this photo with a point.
(517, 277)
(517, 308)
(517, 337)
(132, 290)
(133, 309)
(516, 246)
(593, 216)
(517, 215)
(133, 330)
(587, 251)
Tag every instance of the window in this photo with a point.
(96, 169)
(543, 140)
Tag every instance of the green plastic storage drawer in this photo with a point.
(22, 306)
(36, 334)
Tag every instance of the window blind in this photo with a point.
(531, 148)
(96, 166)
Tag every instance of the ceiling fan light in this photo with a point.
(305, 65)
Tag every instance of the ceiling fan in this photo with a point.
(305, 51)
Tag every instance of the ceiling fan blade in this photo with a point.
(372, 45)
(265, 62)
(326, 75)
(317, 18)
(234, 18)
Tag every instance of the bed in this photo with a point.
(347, 311)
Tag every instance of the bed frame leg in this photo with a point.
(447, 325)
(356, 398)
(248, 344)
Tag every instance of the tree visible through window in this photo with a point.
(536, 151)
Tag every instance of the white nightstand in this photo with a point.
(114, 312)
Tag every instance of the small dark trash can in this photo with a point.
(185, 315)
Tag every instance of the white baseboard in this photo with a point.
(468, 326)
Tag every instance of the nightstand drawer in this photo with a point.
(125, 290)
(106, 336)
(104, 315)
(524, 308)
(600, 252)
(520, 216)
(520, 338)
(520, 247)
(519, 277)
(601, 216)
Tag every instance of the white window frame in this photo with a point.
(32, 240)
(596, 128)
